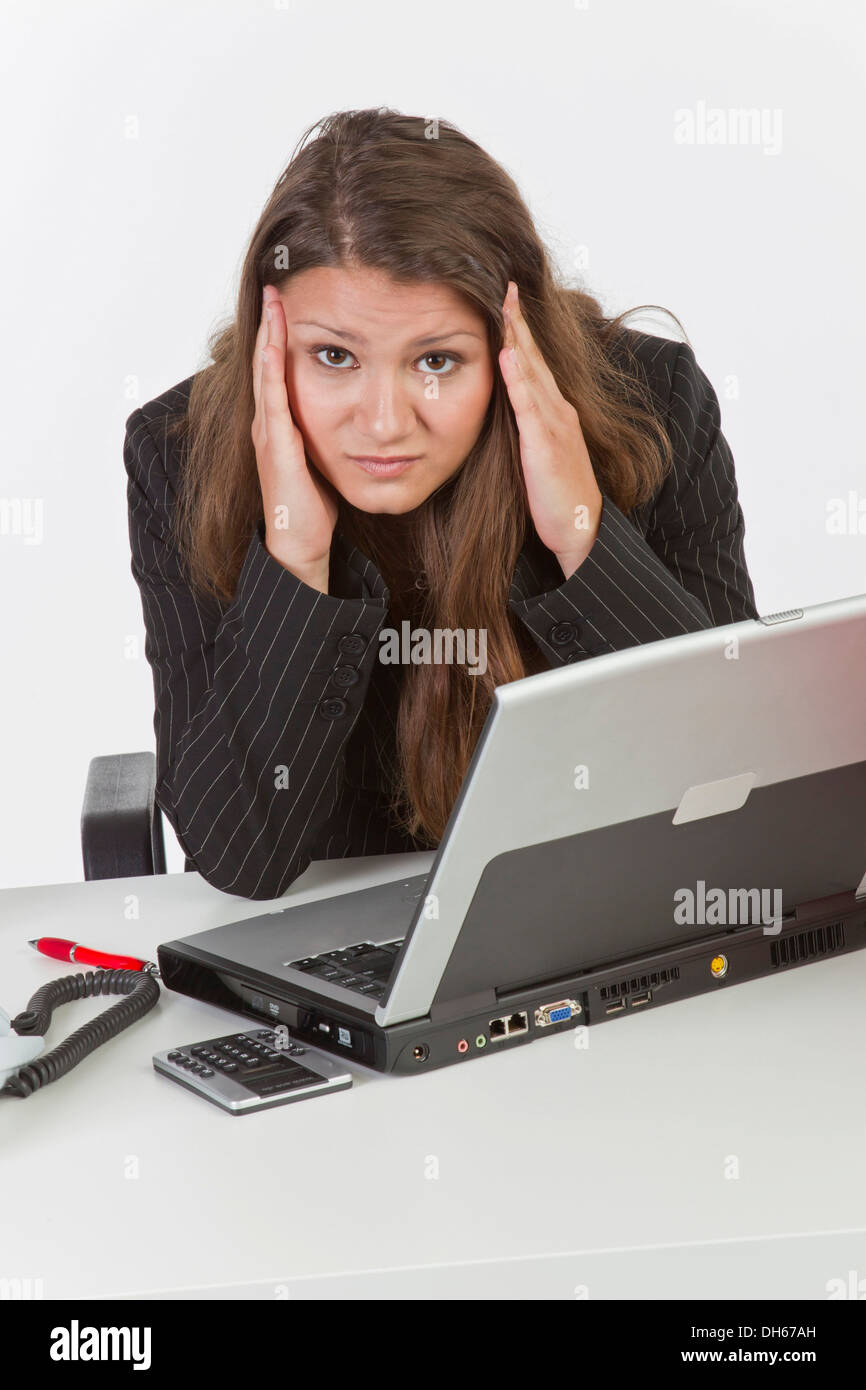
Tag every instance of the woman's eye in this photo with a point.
(339, 352)
(441, 357)
(447, 356)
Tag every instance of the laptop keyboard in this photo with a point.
(364, 968)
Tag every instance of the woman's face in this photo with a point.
(384, 370)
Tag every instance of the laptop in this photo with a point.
(652, 824)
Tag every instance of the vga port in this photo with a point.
(556, 1013)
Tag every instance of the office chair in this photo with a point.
(121, 823)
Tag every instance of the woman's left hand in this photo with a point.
(564, 496)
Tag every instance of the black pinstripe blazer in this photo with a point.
(274, 720)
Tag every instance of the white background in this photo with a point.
(140, 142)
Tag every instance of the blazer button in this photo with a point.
(333, 709)
(562, 633)
(345, 675)
(352, 644)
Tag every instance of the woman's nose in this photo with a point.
(384, 407)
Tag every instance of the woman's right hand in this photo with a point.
(300, 513)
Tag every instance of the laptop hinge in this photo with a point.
(832, 904)
(824, 907)
(450, 1009)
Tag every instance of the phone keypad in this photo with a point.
(249, 1058)
(259, 1070)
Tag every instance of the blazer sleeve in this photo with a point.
(254, 700)
(675, 566)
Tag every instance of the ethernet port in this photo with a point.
(518, 1023)
(497, 1028)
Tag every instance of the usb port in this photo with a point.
(617, 1008)
(641, 999)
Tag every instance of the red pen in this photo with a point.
(60, 949)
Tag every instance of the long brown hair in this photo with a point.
(422, 202)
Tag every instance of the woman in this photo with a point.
(568, 493)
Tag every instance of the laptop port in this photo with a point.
(617, 1008)
(641, 999)
(508, 1027)
(556, 1013)
(421, 1052)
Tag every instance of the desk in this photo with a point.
(542, 1172)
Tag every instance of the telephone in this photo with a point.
(15, 1050)
(23, 1070)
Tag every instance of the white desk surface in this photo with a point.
(562, 1173)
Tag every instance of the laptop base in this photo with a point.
(495, 1020)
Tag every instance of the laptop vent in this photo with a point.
(806, 945)
(784, 617)
(621, 987)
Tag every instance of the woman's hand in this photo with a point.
(564, 496)
(300, 513)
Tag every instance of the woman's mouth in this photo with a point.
(384, 467)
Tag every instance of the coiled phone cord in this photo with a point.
(142, 993)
